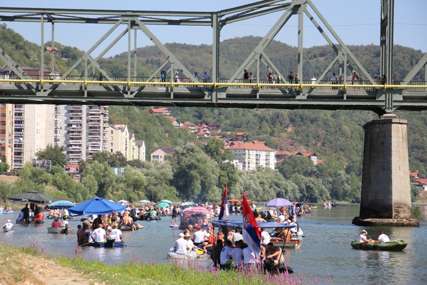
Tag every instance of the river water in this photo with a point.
(325, 257)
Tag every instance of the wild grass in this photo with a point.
(157, 274)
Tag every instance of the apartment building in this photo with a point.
(97, 124)
(6, 133)
(75, 134)
(253, 155)
(33, 131)
(120, 139)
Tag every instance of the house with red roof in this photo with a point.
(421, 182)
(253, 155)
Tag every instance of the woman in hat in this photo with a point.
(364, 237)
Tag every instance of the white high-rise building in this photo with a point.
(33, 130)
(60, 125)
(75, 134)
(97, 124)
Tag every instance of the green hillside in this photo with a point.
(333, 135)
(337, 137)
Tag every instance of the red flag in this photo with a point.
(251, 230)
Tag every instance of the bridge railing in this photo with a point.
(184, 82)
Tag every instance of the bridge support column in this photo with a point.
(386, 190)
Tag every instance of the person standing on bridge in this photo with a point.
(354, 77)
(245, 75)
(163, 76)
(291, 77)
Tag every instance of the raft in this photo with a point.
(198, 254)
(127, 228)
(294, 243)
(394, 245)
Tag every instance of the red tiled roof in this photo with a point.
(160, 110)
(421, 181)
(253, 145)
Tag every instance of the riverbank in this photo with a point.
(29, 266)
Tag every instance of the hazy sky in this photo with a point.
(356, 21)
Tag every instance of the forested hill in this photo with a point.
(335, 136)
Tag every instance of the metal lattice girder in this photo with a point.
(92, 48)
(164, 49)
(248, 7)
(90, 16)
(301, 41)
(322, 32)
(268, 38)
(327, 69)
(254, 13)
(268, 62)
(411, 74)
(340, 41)
(14, 67)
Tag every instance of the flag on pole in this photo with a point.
(224, 204)
(251, 230)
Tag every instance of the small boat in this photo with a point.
(108, 244)
(394, 245)
(127, 228)
(195, 255)
(7, 229)
(293, 243)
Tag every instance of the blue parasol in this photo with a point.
(61, 204)
(96, 206)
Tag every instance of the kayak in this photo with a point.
(394, 245)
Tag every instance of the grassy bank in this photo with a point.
(29, 266)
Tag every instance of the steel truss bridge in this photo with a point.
(379, 95)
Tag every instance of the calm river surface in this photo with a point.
(325, 257)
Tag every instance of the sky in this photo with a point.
(355, 21)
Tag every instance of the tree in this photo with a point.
(267, 184)
(53, 153)
(102, 175)
(112, 159)
(215, 149)
(296, 165)
(311, 189)
(158, 182)
(3, 167)
(196, 175)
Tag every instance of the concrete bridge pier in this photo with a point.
(386, 189)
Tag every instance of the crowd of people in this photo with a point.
(31, 213)
(104, 230)
(228, 250)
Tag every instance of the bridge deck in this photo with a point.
(218, 94)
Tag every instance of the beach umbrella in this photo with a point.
(279, 202)
(196, 210)
(96, 206)
(163, 205)
(144, 202)
(61, 204)
(187, 204)
(123, 202)
(31, 196)
(166, 201)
